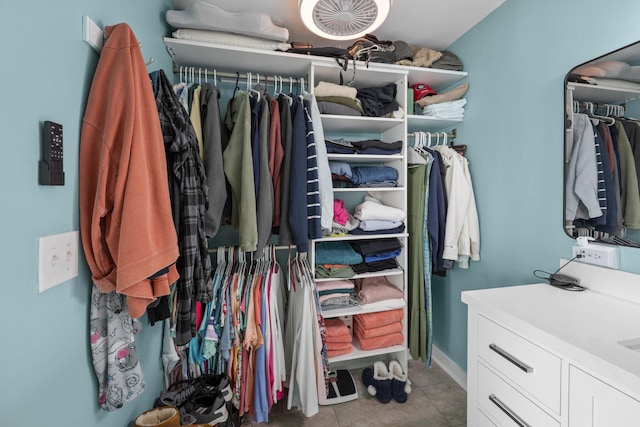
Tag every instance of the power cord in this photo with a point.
(561, 281)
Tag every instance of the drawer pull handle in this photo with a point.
(504, 408)
(511, 359)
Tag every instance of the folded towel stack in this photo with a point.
(379, 330)
(336, 293)
(446, 110)
(338, 337)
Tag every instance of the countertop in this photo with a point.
(582, 327)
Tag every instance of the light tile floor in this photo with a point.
(436, 400)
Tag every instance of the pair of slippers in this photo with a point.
(387, 383)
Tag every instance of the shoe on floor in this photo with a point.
(177, 393)
(205, 407)
(378, 381)
(400, 383)
(218, 382)
(166, 416)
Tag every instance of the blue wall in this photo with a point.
(46, 375)
(517, 59)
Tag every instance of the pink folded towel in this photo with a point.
(374, 289)
(334, 326)
(339, 338)
(335, 284)
(381, 341)
(334, 353)
(380, 318)
(338, 346)
(391, 328)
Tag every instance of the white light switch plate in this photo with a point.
(57, 259)
(93, 34)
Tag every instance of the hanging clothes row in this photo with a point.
(264, 336)
(243, 169)
(257, 166)
(262, 141)
(443, 229)
(602, 178)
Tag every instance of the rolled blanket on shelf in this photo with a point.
(380, 318)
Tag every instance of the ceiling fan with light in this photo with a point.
(343, 19)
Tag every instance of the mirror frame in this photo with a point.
(624, 54)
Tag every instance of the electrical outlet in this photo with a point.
(601, 255)
(93, 34)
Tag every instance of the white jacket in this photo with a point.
(462, 230)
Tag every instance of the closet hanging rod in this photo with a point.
(199, 71)
(451, 135)
(276, 247)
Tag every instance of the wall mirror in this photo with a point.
(602, 148)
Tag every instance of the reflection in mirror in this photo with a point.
(602, 148)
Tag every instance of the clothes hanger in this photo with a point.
(250, 90)
(237, 81)
(413, 155)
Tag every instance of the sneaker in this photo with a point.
(177, 393)
(219, 382)
(400, 383)
(378, 381)
(205, 407)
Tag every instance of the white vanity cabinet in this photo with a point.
(593, 402)
(540, 356)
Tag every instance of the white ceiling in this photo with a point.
(428, 23)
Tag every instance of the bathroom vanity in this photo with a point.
(542, 356)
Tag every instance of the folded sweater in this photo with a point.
(374, 289)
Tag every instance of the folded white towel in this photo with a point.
(371, 210)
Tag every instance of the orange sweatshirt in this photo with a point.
(126, 224)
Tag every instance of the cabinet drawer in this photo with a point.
(481, 420)
(530, 367)
(506, 405)
(593, 402)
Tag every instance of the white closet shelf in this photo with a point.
(362, 124)
(358, 353)
(361, 189)
(390, 272)
(417, 123)
(602, 94)
(364, 158)
(358, 237)
(391, 304)
(238, 59)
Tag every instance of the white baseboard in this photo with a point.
(450, 367)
